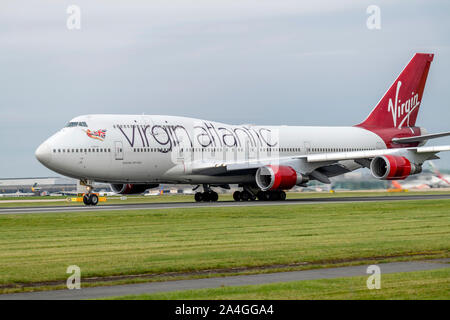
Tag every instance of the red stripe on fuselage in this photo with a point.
(387, 134)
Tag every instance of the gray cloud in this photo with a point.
(266, 62)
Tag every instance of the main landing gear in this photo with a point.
(207, 196)
(243, 196)
(261, 196)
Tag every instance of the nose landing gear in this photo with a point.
(90, 199)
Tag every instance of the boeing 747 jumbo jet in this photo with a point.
(137, 152)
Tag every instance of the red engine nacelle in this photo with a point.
(132, 188)
(390, 167)
(278, 178)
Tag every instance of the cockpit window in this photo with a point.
(76, 124)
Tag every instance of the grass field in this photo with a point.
(60, 201)
(420, 285)
(40, 247)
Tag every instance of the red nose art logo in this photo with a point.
(402, 111)
(99, 134)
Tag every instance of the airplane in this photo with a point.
(19, 193)
(135, 153)
(35, 189)
(421, 184)
(444, 179)
(434, 179)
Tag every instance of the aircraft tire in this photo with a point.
(245, 196)
(274, 196)
(206, 196)
(237, 196)
(260, 195)
(94, 199)
(198, 197)
(87, 200)
(213, 196)
(266, 196)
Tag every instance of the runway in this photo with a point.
(220, 204)
(177, 285)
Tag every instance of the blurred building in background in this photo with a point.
(430, 178)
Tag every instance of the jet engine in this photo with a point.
(391, 167)
(273, 177)
(132, 188)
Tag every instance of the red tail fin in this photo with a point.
(400, 105)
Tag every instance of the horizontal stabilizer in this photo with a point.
(432, 149)
(421, 138)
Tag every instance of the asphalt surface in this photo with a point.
(168, 286)
(220, 204)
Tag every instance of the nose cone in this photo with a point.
(44, 154)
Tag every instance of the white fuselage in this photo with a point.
(167, 149)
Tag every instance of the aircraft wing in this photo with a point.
(339, 156)
(320, 165)
(225, 167)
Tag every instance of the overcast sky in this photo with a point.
(235, 61)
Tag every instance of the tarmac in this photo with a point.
(219, 204)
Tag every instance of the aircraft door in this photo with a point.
(307, 147)
(251, 152)
(118, 150)
(247, 150)
(83, 155)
